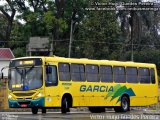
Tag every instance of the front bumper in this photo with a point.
(28, 103)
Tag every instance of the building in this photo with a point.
(5, 56)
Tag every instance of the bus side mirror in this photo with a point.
(1, 75)
(48, 70)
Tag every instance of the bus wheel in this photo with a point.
(65, 105)
(44, 110)
(125, 105)
(34, 110)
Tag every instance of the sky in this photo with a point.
(2, 2)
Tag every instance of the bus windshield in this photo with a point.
(27, 78)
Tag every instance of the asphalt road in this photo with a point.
(132, 115)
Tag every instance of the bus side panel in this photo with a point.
(80, 98)
(145, 94)
(52, 97)
(91, 94)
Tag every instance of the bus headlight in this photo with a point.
(9, 96)
(39, 95)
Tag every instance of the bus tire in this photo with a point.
(65, 105)
(44, 110)
(34, 110)
(125, 105)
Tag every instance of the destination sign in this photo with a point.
(26, 62)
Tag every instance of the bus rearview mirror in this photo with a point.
(1, 75)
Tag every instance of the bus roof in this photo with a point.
(89, 61)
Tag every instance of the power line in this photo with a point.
(28, 41)
(116, 43)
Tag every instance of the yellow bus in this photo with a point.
(57, 82)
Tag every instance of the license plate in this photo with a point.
(23, 105)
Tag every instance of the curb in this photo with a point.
(152, 113)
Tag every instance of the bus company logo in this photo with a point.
(96, 88)
(113, 91)
(119, 91)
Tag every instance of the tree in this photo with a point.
(98, 33)
(5, 9)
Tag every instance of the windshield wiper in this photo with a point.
(17, 69)
(29, 69)
(23, 74)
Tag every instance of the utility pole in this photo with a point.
(132, 50)
(70, 40)
(132, 38)
(73, 19)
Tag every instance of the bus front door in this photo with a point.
(52, 97)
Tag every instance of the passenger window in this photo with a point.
(64, 71)
(51, 75)
(144, 76)
(106, 74)
(77, 72)
(152, 72)
(119, 74)
(92, 73)
(131, 75)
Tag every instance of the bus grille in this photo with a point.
(24, 94)
(24, 98)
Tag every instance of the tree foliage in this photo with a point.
(96, 34)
